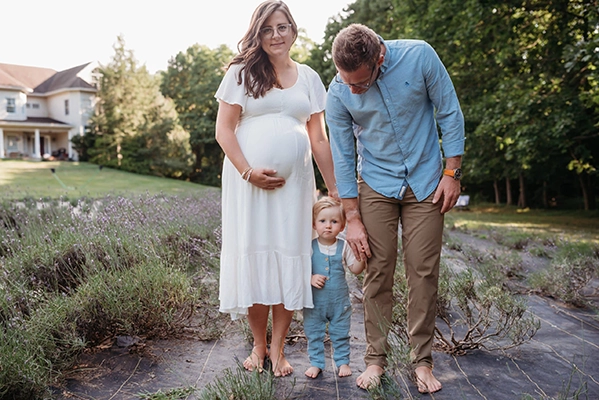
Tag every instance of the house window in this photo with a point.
(11, 105)
(35, 105)
(66, 107)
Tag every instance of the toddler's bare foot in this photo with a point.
(426, 381)
(344, 370)
(371, 377)
(313, 372)
(280, 365)
(256, 359)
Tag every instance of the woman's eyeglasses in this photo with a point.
(357, 85)
(269, 32)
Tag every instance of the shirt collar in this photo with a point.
(385, 63)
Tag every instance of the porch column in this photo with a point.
(36, 145)
(2, 143)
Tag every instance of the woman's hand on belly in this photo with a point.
(266, 179)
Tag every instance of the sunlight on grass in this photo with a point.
(570, 224)
(55, 179)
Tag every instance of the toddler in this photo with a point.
(329, 288)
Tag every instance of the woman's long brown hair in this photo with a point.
(258, 73)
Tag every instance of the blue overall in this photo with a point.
(332, 305)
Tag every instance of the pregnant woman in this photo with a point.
(270, 122)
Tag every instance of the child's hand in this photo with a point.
(318, 281)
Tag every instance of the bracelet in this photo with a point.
(247, 178)
(245, 171)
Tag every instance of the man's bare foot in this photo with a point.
(426, 381)
(313, 372)
(280, 365)
(344, 370)
(371, 377)
(256, 359)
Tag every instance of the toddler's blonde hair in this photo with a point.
(327, 202)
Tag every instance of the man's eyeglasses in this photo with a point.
(282, 29)
(357, 85)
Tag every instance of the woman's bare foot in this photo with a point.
(371, 377)
(256, 359)
(426, 381)
(280, 365)
(344, 370)
(313, 372)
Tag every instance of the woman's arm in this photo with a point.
(226, 122)
(322, 151)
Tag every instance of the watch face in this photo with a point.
(457, 174)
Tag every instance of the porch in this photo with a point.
(36, 139)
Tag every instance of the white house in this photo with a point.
(42, 109)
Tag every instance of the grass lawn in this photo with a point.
(575, 224)
(27, 179)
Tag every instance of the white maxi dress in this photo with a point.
(266, 235)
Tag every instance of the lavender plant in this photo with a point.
(76, 273)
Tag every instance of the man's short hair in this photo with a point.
(354, 46)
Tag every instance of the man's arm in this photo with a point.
(449, 189)
(356, 235)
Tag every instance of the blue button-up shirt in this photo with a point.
(394, 124)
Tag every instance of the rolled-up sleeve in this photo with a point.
(447, 106)
(341, 135)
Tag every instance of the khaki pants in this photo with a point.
(422, 235)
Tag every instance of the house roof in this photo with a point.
(36, 122)
(43, 120)
(23, 77)
(42, 80)
(66, 79)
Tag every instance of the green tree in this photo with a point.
(522, 70)
(135, 127)
(191, 79)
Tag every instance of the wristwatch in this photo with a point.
(454, 173)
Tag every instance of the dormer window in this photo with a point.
(66, 107)
(11, 105)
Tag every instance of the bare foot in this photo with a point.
(256, 359)
(313, 372)
(344, 370)
(280, 365)
(371, 377)
(426, 381)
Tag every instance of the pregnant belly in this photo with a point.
(282, 147)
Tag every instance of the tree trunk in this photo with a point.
(585, 192)
(496, 189)
(508, 191)
(522, 196)
(196, 173)
(545, 197)
(592, 193)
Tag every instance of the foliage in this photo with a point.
(239, 384)
(135, 128)
(191, 79)
(526, 75)
(477, 311)
(77, 274)
(484, 315)
(571, 269)
(173, 394)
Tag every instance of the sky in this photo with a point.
(61, 34)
